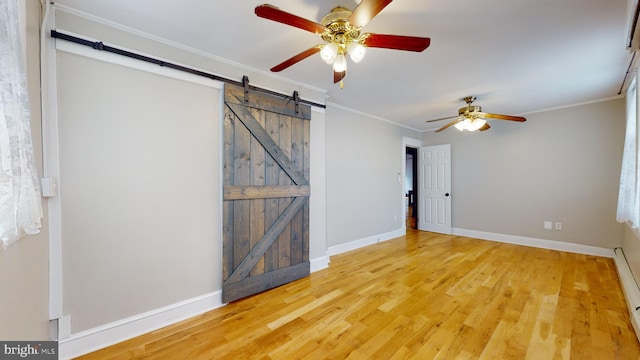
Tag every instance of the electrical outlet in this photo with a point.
(548, 225)
(558, 226)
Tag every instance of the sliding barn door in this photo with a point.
(266, 192)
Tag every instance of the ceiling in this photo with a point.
(516, 56)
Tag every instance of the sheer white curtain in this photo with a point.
(629, 194)
(20, 200)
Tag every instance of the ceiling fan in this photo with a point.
(340, 31)
(471, 118)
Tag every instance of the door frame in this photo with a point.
(416, 144)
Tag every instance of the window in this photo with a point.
(20, 202)
(628, 197)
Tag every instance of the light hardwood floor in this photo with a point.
(422, 296)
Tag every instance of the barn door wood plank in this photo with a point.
(257, 160)
(243, 269)
(284, 240)
(297, 159)
(241, 208)
(227, 206)
(243, 114)
(266, 281)
(272, 211)
(264, 192)
(262, 101)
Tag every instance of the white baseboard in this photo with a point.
(539, 243)
(319, 263)
(630, 289)
(106, 335)
(370, 240)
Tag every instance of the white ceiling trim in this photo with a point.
(574, 105)
(354, 111)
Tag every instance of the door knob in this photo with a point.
(447, 194)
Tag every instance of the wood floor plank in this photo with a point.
(420, 296)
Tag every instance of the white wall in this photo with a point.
(561, 166)
(140, 188)
(364, 184)
(318, 197)
(24, 265)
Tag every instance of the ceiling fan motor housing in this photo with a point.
(469, 109)
(339, 30)
(337, 14)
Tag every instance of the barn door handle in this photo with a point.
(447, 194)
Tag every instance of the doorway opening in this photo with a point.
(411, 187)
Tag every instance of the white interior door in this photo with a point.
(434, 177)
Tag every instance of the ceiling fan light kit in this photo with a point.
(341, 38)
(470, 124)
(340, 63)
(341, 32)
(472, 118)
(356, 51)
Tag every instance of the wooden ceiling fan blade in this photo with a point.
(367, 10)
(484, 127)
(505, 117)
(296, 58)
(337, 76)
(450, 124)
(271, 12)
(397, 42)
(440, 119)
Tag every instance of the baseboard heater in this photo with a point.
(630, 289)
